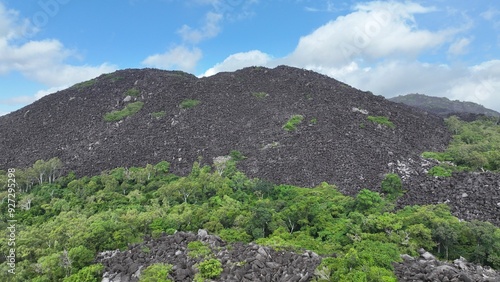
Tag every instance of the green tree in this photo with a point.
(91, 273)
(80, 257)
(392, 186)
(368, 201)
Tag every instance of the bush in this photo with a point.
(440, 171)
(157, 272)
(189, 103)
(437, 156)
(260, 95)
(381, 120)
(129, 110)
(291, 124)
(210, 269)
(197, 249)
(158, 115)
(85, 84)
(392, 186)
(237, 155)
(133, 92)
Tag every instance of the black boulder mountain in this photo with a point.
(445, 107)
(243, 110)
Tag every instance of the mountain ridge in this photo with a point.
(443, 106)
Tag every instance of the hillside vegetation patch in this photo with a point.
(85, 84)
(382, 120)
(475, 146)
(129, 110)
(159, 114)
(133, 92)
(189, 103)
(260, 95)
(293, 122)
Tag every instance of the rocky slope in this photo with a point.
(243, 110)
(240, 262)
(443, 106)
(427, 268)
(251, 262)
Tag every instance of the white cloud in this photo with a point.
(490, 14)
(459, 47)
(43, 61)
(481, 85)
(374, 30)
(210, 29)
(179, 57)
(493, 16)
(328, 7)
(241, 60)
(375, 47)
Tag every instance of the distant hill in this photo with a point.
(137, 116)
(444, 107)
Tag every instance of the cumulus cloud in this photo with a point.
(180, 57)
(210, 29)
(375, 48)
(374, 30)
(459, 47)
(241, 60)
(43, 61)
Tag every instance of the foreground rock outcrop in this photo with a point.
(427, 268)
(241, 262)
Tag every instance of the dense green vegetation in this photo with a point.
(129, 110)
(189, 103)
(475, 146)
(291, 124)
(69, 220)
(382, 120)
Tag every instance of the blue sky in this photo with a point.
(446, 48)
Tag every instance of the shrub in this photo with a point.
(291, 124)
(113, 77)
(392, 186)
(260, 95)
(158, 115)
(189, 103)
(129, 110)
(381, 120)
(437, 156)
(237, 155)
(157, 272)
(133, 92)
(210, 269)
(313, 121)
(197, 249)
(440, 171)
(84, 84)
